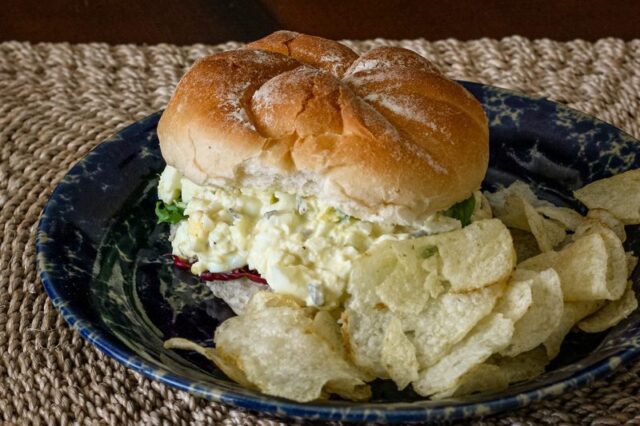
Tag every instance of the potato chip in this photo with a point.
(568, 218)
(515, 206)
(571, 314)
(365, 318)
(406, 290)
(267, 299)
(433, 284)
(543, 314)
(236, 293)
(481, 378)
(612, 312)
(619, 194)
(498, 199)
(617, 272)
(369, 271)
(483, 209)
(582, 267)
(228, 366)
(441, 380)
(326, 326)
(525, 366)
(513, 213)
(518, 212)
(447, 320)
(398, 355)
(498, 372)
(610, 221)
(403, 279)
(548, 234)
(476, 256)
(632, 262)
(277, 346)
(516, 299)
(363, 333)
(525, 244)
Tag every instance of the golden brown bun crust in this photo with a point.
(383, 136)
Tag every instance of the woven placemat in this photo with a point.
(57, 101)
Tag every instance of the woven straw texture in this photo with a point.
(57, 101)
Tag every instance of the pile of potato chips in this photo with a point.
(449, 314)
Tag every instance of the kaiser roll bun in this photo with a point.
(383, 136)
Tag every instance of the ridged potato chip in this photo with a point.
(326, 326)
(582, 267)
(368, 272)
(610, 221)
(481, 378)
(365, 318)
(512, 213)
(498, 372)
(476, 256)
(617, 272)
(412, 282)
(611, 313)
(525, 244)
(483, 210)
(236, 293)
(571, 314)
(568, 218)
(490, 336)
(516, 299)
(398, 355)
(619, 194)
(548, 234)
(517, 207)
(524, 366)
(440, 319)
(447, 320)
(276, 347)
(228, 366)
(632, 262)
(498, 199)
(406, 290)
(363, 333)
(543, 314)
(267, 299)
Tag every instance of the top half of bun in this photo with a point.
(383, 136)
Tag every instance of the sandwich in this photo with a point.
(290, 158)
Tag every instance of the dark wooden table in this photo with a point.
(213, 21)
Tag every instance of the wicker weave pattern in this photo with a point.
(57, 101)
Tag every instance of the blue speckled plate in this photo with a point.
(100, 256)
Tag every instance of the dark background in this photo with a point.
(214, 21)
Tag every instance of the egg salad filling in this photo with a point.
(299, 245)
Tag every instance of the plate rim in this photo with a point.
(279, 407)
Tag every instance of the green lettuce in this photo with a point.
(170, 213)
(462, 210)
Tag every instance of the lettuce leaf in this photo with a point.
(462, 210)
(170, 213)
